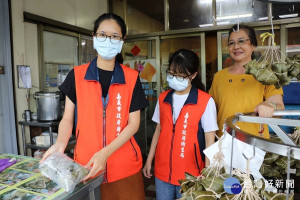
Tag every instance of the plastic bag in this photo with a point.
(63, 170)
(238, 161)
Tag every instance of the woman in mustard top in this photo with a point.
(237, 92)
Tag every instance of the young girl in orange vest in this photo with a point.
(106, 98)
(186, 124)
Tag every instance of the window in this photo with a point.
(88, 52)
(141, 16)
(60, 54)
(285, 10)
(293, 43)
(190, 14)
(247, 10)
(170, 45)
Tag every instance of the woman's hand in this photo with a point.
(99, 159)
(265, 109)
(97, 162)
(209, 140)
(147, 169)
(57, 147)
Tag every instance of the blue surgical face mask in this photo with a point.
(177, 85)
(106, 49)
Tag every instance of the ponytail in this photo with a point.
(198, 83)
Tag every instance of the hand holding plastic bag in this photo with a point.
(63, 170)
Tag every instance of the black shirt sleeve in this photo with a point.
(138, 101)
(68, 86)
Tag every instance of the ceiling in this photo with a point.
(188, 13)
(152, 8)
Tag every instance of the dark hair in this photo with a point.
(249, 31)
(119, 58)
(186, 62)
(113, 16)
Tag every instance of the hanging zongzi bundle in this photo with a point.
(281, 71)
(262, 72)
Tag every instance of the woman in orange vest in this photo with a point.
(106, 98)
(186, 124)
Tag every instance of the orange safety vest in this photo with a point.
(180, 145)
(97, 126)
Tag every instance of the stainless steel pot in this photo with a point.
(48, 105)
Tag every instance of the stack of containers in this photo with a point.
(291, 100)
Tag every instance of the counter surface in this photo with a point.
(24, 180)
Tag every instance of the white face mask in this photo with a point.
(177, 85)
(106, 49)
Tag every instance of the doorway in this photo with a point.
(8, 139)
(211, 58)
(142, 55)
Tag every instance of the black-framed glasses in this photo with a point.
(101, 37)
(240, 42)
(179, 78)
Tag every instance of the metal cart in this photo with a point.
(289, 148)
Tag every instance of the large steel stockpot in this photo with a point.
(48, 105)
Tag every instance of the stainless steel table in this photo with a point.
(82, 190)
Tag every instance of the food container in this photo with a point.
(49, 105)
(63, 171)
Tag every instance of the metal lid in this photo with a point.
(46, 94)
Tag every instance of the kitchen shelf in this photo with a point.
(45, 124)
(71, 144)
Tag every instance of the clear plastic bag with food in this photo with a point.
(63, 170)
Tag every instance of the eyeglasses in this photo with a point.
(240, 42)
(179, 78)
(101, 37)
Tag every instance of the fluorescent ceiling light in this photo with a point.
(289, 15)
(262, 18)
(218, 23)
(209, 1)
(205, 1)
(235, 16)
(205, 25)
(222, 23)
